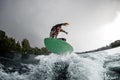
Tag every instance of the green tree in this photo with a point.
(6, 44)
(11, 44)
(115, 44)
(44, 51)
(3, 41)
(36, 51)
(18, 47)
(2, 34)
(25, 45)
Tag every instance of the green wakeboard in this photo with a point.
(57, 46)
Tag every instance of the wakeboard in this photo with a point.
(58, 46)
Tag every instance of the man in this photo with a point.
(56, 29)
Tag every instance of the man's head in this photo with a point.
(65, 24)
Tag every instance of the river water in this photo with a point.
(102, 65)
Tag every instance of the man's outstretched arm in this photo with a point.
(63, 31)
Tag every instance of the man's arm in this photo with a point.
(63, 31)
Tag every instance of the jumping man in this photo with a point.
(56, 29)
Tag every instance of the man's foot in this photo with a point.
(62, 39)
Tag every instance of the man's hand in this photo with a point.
(66, 32)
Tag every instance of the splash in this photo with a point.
(61, 67)
(69, 67)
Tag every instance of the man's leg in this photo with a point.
(55, 36)
(51, 34)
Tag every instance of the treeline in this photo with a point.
(10, 45)
(110, 46)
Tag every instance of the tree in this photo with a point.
(25, 45)
(11, 43)
(18, 47)
(36, 51)
(3, 42)
(44, 51)
(2, 34)
(115, 44)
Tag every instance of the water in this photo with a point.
(91, 66)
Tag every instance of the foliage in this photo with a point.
(18, 46)
(115, 44)
(25, 45)
(9, 44)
